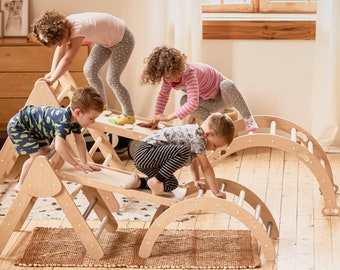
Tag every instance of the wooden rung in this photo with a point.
(273, 128)
(90, 208)
(75, 192)
(64, 92)
(269, 228)
(95, 146)
(51, 153)
(322, 161)
(310, 146)
(257, 211)
(293, 135)
(115, 140)
(101, 227)
(222, 187)
(200, 193)
(107, 160)
(241, 198)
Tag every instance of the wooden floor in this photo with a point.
(308, 240)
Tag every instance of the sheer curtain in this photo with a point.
(326, 91)
(185, 21)
(155, 23)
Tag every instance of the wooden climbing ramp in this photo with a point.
(45, 179)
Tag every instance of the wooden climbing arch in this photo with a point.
(282, 134)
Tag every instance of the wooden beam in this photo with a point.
(282, 30)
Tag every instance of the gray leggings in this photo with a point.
(118, 56)
(228, 97)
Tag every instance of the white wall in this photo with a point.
(275, 76)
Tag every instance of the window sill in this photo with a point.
(259, 26)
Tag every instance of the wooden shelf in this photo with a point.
(22, 63)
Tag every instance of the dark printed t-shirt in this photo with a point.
(47, 122)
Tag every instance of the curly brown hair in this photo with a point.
(163, 60)
(49, 28)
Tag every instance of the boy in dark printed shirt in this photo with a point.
(33, 128)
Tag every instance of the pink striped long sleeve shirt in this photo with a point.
(199, 81)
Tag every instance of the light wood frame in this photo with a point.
(15, 23)
(263, 6)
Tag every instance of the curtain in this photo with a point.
(326, 92)
(186, 35)
(175, 23)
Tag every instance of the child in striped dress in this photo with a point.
(206, 90)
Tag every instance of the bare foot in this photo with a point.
(134, 182)
(156, 186)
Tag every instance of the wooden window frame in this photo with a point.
(225, 26)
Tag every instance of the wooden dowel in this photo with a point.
(310, 146)
(200, 193)
(273, 128)
(95, 146)
(76, 191)
(269, 228)
(257, 211)
(101, 227)
(89, 208)
(241, 198)
(107, 160)
(293, 135)
(63, 93)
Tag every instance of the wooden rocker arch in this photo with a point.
(261, 223)
(282, 134)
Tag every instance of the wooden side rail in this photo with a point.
(41, 95)
(98, 187)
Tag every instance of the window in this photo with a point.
(259, 19)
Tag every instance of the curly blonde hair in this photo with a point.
(163, 60)
(49, 28)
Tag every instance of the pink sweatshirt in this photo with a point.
(97, 28)
(199, 81)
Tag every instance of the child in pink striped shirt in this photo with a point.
(206, 90)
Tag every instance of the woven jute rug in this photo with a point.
(218, 249)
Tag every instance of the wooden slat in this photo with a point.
(19, 85)
(285, 30)
(15, 58)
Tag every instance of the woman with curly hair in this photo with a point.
(113, 41)
(206, 90)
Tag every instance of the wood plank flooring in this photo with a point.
(308, 240)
